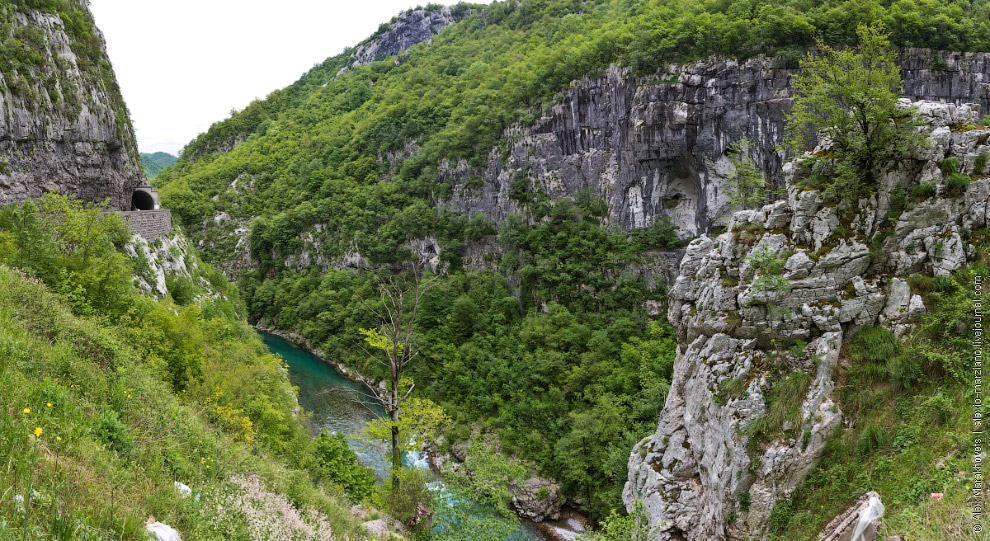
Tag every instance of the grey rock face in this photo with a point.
(655, 147)
(64, 135)
(407, 29)
(700, 464)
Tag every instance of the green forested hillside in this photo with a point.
(154, 163)
(554, 347)
(109, 397)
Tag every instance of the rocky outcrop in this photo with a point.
(536, 499)
(405, 30)
(657, 146)
(63, 125)
(166, 259)
(744, 340)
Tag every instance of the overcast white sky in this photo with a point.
(184, 64)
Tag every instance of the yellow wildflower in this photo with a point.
(58, 438)
(38, 431)
(27, 410)
(49, 404)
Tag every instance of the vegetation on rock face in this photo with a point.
(41, 77)
(746, 188)
(849, 97)
(109, 397)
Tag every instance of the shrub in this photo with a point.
(181, 288)
(904, 370)
(957, 182)
(411, 492)
(112, 433)
(939, 407)
(922, 191)
(333, 461)
(781, 516)
(980, 165)
(986, 120)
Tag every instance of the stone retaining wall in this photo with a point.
(149, 224)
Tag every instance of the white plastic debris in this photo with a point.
(874, 510)
(163, 532)
(184, 490)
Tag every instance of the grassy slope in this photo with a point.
(91, 473)
(910, 404)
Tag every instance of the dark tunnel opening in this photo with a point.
(142, 201)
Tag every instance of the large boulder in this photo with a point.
(536, 499)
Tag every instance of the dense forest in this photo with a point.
(558, 343)
(155, 162)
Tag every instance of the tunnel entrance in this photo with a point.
(142, 200)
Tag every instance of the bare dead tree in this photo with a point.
(396, 312)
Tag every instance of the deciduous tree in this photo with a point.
(849, 96)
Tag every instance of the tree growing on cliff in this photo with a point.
(746, 188)
(849, 96)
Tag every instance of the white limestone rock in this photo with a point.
(691, 473)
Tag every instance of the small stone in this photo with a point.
(377, 528)
(183, 490)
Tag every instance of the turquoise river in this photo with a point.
(339, 405)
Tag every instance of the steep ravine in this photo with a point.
(651, 147)
(695, 472)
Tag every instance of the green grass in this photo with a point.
(784, 400)
(113, 438)
(950, 165)
(980, 165)
(957, 183)
(910, 404)
(922, 191)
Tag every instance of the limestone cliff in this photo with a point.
(652, 147)
(63, 124)
(735, 339)
(405, 30)
(656, 146)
